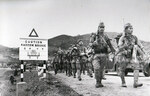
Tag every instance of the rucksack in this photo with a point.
(75, 51)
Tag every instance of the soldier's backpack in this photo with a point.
(75, 51)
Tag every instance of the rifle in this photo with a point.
(108, 44)
(124, 48)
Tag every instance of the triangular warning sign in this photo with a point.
(33, 33)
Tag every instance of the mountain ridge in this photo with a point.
(65, 41)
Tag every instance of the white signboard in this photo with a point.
(33, 49)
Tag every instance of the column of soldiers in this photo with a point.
(78, 58)
(75, 61)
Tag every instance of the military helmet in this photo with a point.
(79, 40)
(101, 24)
(92, 34)
(55, 53)
(127, 25)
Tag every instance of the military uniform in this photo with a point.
(60, 55)
(75, 60)
(67, 63)
(78, 62)
(89, 62)
(83, 56)
(129, 47)
(55, 63)
(100, 43)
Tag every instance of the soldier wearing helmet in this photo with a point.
(100, 44)
(55, 63)
(60, 53)
(129, 47)
(74, 60)
(82, 58)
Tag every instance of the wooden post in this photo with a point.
(44, 72)
(22, 68)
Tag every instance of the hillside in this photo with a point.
(8, 54)
(63, 41)
(3, 48)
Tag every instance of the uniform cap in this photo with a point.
(79, 40)
(127, 25)
(101, 24)
(55, 54)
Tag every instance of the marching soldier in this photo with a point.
(100, 43)
(70, 59)
(90, 54)
(55, 63)
(66, 59)
(128, 49)
(83, 56)
(60, 55)
(75, 61)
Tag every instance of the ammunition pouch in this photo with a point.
(129, 54)
(101, 48)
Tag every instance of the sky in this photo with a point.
(51, 18)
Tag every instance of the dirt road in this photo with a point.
(65, 84)
(86, 87)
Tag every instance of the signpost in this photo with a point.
(32, 48)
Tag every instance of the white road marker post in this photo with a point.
(42, 70)
(22, 68)
(21, 86)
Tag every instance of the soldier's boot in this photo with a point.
(74, 73)
(90, 73)
(123, 79)
(66, 71)
(84, 72)
(70, 73)
(99, 84)
(79, 74)
(104, 75)
(55, 71)
(98, 79)
(136, 75)
(12, 82)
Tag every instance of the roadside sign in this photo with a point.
(33, 33)
(32, 48)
